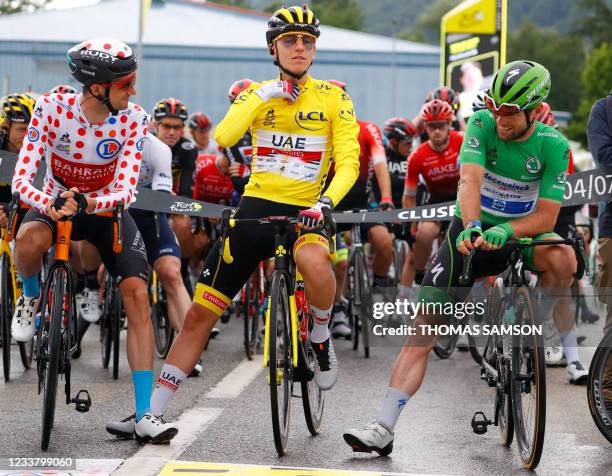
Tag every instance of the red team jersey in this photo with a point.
(210, 184)
(371, 151)
(439, 169)
(101, 160)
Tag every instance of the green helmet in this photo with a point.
(524, 83)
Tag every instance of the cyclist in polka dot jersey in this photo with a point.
(92, 161)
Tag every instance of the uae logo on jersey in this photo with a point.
(108, 148)
(533, 165)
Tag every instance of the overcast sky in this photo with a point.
(71, 3)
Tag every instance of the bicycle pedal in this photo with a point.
(480, 423)
(82, 404)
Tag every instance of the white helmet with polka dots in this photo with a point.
(100, 61)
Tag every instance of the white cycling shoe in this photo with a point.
(154, 429)
(88, 305)
(578, 375)
(23, 326)
(373, 437)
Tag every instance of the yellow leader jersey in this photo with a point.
(293, 142)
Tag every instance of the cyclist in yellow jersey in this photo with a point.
(295, 122)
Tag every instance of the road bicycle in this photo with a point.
(56, 338)
(288, 355)
(514, 364)
(599, 387)
(111, 323)
(9, 293)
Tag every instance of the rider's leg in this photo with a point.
(427, 232)
(381, 241)
(168, 270)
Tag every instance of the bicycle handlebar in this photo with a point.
(227, 222)
(576, 243)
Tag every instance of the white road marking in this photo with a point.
(237, 380)
(152, 458)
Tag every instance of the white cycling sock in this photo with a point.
(569, 343)
(166, 385)
(393, 404)
(320, 329)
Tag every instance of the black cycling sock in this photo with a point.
(91, 279)
(322, 352)
(380, 281)
(419, 274)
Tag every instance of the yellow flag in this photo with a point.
(144, 10)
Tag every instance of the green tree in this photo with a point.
(340, 13)
(595, 21)
(562, 55)
(427, 26)
(596, 83)
(16, 6)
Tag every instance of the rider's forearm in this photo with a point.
(469, 198)
(237, 120)
(533, 224)
(381, 170)
(408, 201)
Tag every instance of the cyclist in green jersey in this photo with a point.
(512, 183)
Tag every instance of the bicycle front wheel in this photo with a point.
(162, 330)
(280, 376)
(49, 355)
(599, 387)
(6, 314)
(528, 384)
(116, 328)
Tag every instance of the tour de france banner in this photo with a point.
(473, 47)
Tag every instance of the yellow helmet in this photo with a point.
(18, 107)
(288, 19)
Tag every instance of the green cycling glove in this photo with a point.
(499, 234)
(467, 233)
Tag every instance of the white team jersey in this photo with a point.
(156, 165)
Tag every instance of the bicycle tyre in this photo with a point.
(599, 385)
(257, 297)
(105, 322)
(246, 311)
(530, 439)
(353, 307)
(496, 309)
(115, 324)
(280, 365)
(365, 296)
(313, 398)
(52, 362)
(162, 330)
(6, 315)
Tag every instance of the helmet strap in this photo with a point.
(529, 124)
(296, 76)
(105, 100)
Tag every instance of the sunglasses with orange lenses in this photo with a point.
(127, 83)
(504, 109)
(290, 40)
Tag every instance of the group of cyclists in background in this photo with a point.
(98, 148)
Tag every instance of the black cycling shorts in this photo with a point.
(249, 244)
(441, 281)
(166, 244)
(98, 230)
